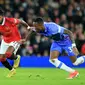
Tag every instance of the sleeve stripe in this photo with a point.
(59, 29)
(15, 20)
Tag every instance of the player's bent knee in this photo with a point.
(51, 60)
(55, 62)
(8, 54)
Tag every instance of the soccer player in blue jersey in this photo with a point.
(63, 40)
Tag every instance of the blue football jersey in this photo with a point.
(55, 32)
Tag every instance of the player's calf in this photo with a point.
(61, 65)
(56, 62)
(79, 60)
(6, 64)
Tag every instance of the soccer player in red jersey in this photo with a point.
(11, 41)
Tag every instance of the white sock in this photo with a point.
(79, 60)
(61, 65)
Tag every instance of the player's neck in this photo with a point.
(43, 29)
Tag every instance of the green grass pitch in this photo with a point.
(41, 76)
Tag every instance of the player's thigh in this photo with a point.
(54, 54)
(3, 48)
(71, 53)
(55, 50)
(14, 46)
(10, 49)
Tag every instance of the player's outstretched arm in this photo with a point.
(28, 28)
(22, 22)
(73, 41)
(66, 31)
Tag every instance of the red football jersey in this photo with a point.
(9, 30)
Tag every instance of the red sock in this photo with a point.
(8, 54)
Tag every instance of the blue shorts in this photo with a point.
(68, 48)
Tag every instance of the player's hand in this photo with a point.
(73, 45)
(75, 50)
(22, 41)
(31, 28)
(28, 27)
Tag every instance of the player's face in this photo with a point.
(38, 27)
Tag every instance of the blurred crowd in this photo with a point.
(67, 13)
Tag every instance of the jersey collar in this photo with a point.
(3, 21)
(45, 27)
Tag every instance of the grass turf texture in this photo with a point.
(41, 76)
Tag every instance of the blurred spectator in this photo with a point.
(63, 19)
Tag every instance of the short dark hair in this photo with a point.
(1, 11)
(39, 20)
